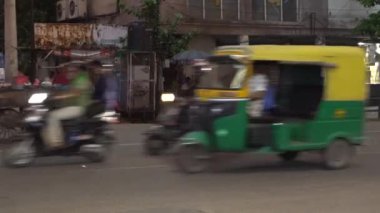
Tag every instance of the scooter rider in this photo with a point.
(74, 101)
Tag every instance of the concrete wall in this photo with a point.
(347, 13)
(98, 10)
(204, 43)
(169, 8)
(317, 7)
(102, 7)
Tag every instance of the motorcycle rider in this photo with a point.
(74, 101)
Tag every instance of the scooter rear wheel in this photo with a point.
(192, 159)
(98, 151)
(97, 156)
(21, 154)
(153, 146)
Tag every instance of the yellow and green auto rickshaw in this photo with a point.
(317, 104)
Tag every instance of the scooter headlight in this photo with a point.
(167, 97)
(37, 98)
(33, 118)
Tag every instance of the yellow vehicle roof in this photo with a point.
(345, 81)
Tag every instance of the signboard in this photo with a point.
(78, 36)
(80, 54)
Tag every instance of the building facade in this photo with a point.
(346, 14)
(231, 22)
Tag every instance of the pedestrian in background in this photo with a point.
(99, 81)
(21, 80)
(111, 90)
(60, 77)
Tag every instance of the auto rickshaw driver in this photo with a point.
(262, 86)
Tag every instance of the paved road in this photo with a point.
(132, 183)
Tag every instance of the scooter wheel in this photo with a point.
(21, 154)
(95, 157)
(192, 159)
(95, 153)
(153, 146)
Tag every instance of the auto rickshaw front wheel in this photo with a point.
(338, 154)
(192, 158)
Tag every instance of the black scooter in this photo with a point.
(171, 124)
(88, 136)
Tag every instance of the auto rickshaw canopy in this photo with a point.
(343, 67)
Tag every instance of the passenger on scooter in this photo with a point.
(75, 101)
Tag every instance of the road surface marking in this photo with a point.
(372, 132)
(131, 167)
(368, 153)
(128, 144)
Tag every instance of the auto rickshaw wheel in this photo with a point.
(192, 158)
(288, 156)
(338, 154)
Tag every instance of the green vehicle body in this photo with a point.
(339, 113)
(229, 134)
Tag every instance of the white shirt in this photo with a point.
(258, 83)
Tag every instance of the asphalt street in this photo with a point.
(130, 182)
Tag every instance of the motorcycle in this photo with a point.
(88, 136)
(171, 124)
(174, 120)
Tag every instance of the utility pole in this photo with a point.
(156, 49)
(156, 27)
(10, 38)
(33, 51)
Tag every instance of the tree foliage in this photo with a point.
(369, 3)
(371, 25)
(166, 39)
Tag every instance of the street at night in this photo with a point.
(132, 182)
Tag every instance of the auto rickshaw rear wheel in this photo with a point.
(288, 156)
(192, 158)
(338, 154)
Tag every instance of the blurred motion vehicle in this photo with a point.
(172, 121)
(171, 124)
(318, 105)
(88, 135)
